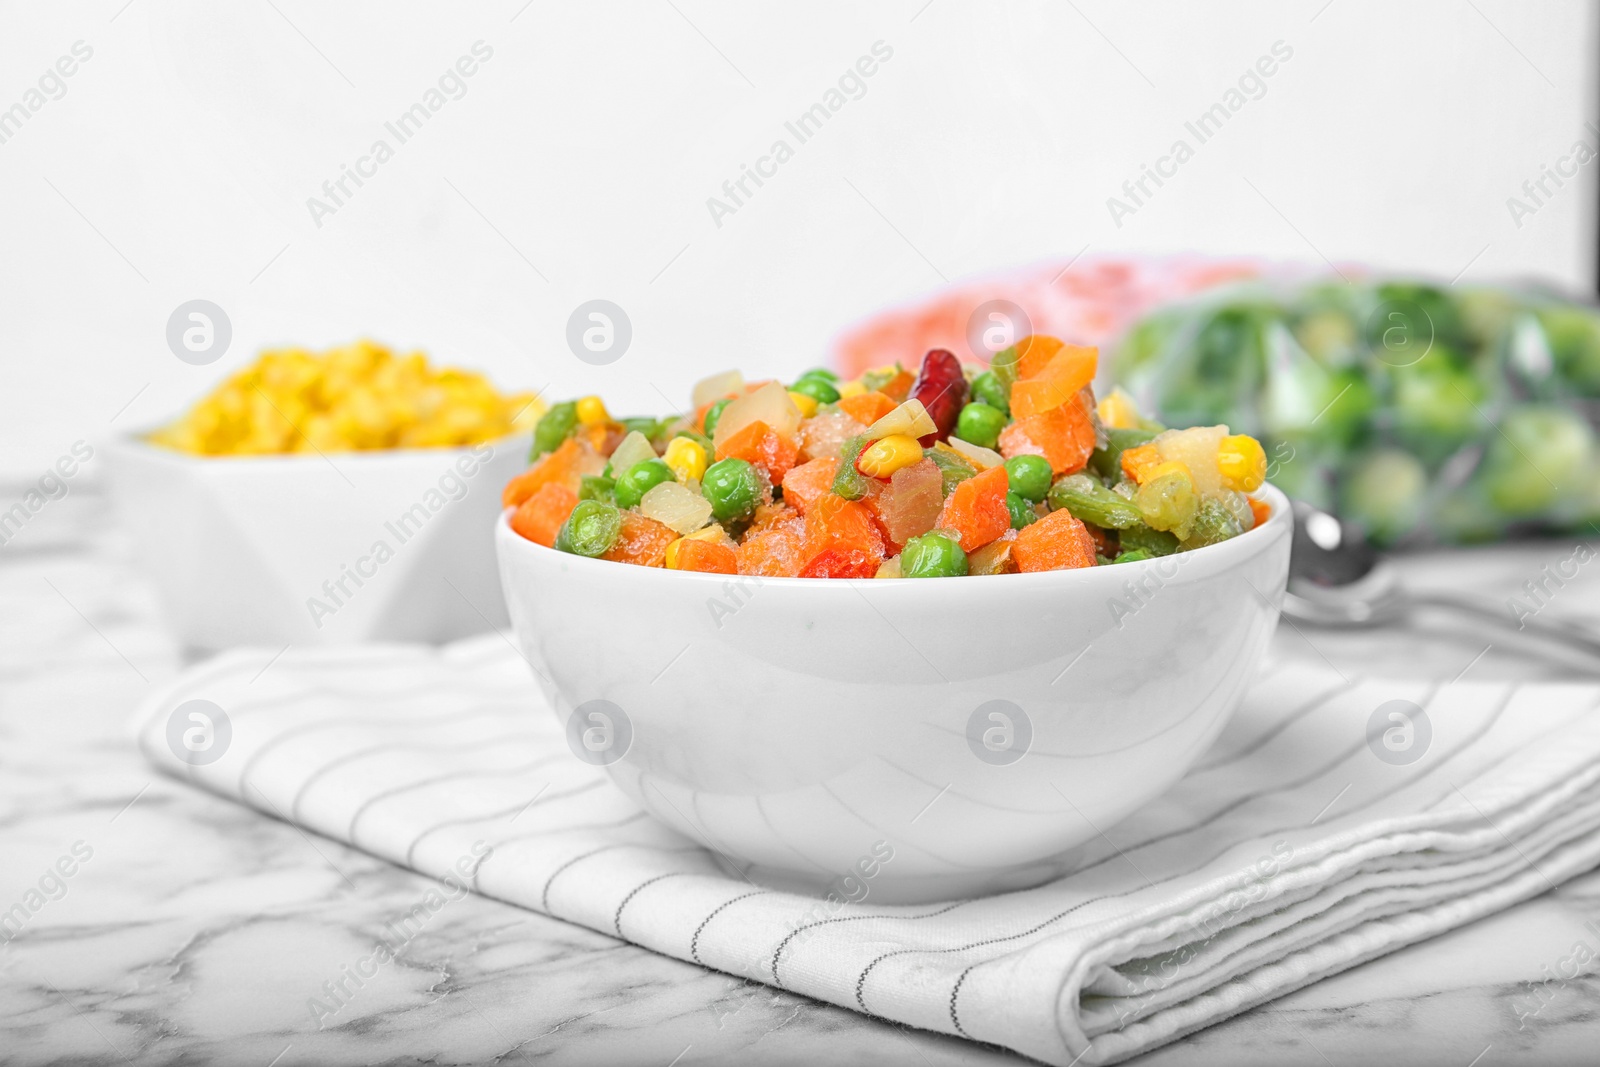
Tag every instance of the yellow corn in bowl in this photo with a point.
(324, 498)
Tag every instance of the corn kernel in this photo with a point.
(687, 459)
(889, 454)
(851, 388)
(1243, 463)
(806, 404)
(1118, 411)
(592, 411)
(671, 559)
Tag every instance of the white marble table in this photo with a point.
(198, 931)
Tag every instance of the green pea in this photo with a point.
(639, 479)
(597, 487)
(819, 389)
(980, 424)
(821, 372)
(933, 555)
(1029, 475)
(849, 482)
(734, 488)
(591, 529)
(714, 413)
(988, 388)
(1092, 502)
(1132, 556)
(555, 427)
(1022, 512)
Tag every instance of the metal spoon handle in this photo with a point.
(1569, 634)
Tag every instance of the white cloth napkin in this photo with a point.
(1293, 850)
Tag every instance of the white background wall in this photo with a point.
(178, 163)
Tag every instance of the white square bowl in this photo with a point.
(395, 545)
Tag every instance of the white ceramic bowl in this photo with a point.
(806, 728)
(280, 550)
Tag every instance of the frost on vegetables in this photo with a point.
(950, 471)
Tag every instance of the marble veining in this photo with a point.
(199, 931)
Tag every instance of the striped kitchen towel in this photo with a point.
(1335, 820)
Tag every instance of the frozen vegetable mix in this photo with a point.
(951, 471)
(1422, 413)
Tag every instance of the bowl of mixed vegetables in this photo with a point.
(1422, 413)
(954, 471)
(662, 580)
(326, 497)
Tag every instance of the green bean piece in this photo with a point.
(1093, 503)
(849, 482)
(591, 529)
(1140, 537)
(554, 428)
(597, 487)
(952, 467)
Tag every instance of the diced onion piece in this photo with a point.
(769, 404)
(677, 507)
(910, 418)
(983, 457)
(635, 448)
(716, 387)
(889, 568)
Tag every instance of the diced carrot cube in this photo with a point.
(867, 408)
(1034, 353)
(976, 509)
(1070, 370)
(805, 483)
(707, 557)
(1260, 510)
(1056, 542)
(841, 540)
(1063, 435)
(1137, 462)
(642, 541)
(566, 465)
(761, 446)
(773, 552)
(539, 517)
(769, 516)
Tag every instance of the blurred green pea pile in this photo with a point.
(1422, 413)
